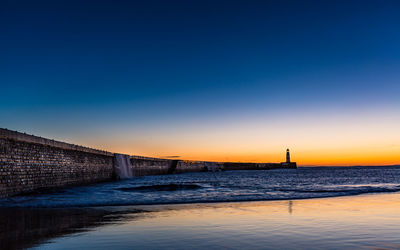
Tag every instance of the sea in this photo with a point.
(304, 208)
(224, 186)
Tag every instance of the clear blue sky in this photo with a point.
(159, 73)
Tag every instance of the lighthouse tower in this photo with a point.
(288, 163)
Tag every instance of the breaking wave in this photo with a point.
(165, 187)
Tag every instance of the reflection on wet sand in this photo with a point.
(23, 228)
(290, 207)
(367, 221)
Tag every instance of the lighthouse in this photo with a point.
(288, 163)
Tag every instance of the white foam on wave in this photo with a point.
(123, 167)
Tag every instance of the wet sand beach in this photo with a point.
(368, 221)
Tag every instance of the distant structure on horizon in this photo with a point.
(287, 156)
(288, 163)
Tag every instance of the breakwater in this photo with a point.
(30, 164)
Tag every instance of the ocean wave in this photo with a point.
(348, 189)
(287, 194)
(230, 186)
(165, 187)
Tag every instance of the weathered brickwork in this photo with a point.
(149, 166)
(154, 166)
(27, 166)
(190, 166)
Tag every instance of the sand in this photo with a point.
(364, 221)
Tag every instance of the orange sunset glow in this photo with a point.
(359, 137)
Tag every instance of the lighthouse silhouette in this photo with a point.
(287, 156)
(288, 163)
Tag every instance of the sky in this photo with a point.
(207, 80)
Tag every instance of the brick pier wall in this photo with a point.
(30, 163)
(142, 166)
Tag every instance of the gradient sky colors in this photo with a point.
(207, 80)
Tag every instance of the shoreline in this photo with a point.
(228, 202)
(270, 219)
(196, 202)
